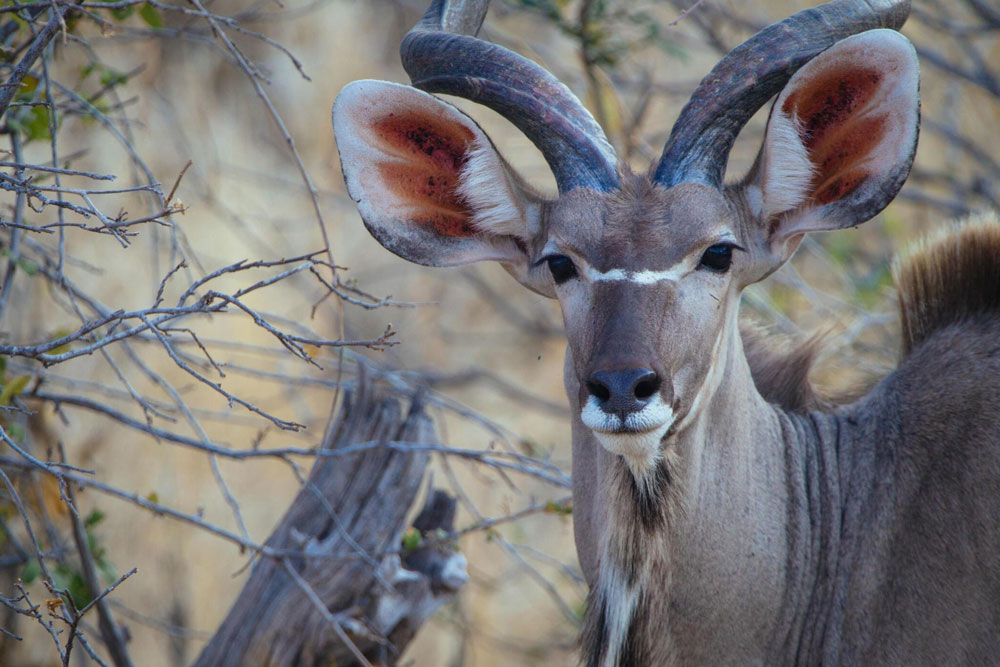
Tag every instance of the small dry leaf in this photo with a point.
(53, 603)
(52, 497)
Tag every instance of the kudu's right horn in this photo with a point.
(440, 61)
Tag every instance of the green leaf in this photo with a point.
(27, 266)
(13, 388)
(553, 507)
(96, 550)
(3, 367)
(111, 78)
(56, 335)
(151, 16)
(15, 432)
(28, 85)
(32, 122)
(71, 579)
(93, 518)
(411, 540)
(121, 13)
(108, 572)
(101, 106)
(31, 571)
(36, 125)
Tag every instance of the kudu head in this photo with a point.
(648, 269)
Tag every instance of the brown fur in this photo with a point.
(945, 279)
(741, 525)
(948, 278)
(780, 367)
(953, 278)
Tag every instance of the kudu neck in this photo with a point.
(733, 426)
(722, 543)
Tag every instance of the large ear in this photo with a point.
(840, 139)
(429, 185)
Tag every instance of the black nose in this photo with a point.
(622, 392)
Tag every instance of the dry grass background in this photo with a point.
(245, 200)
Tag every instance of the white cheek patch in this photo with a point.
(636, 438)
(645, 277)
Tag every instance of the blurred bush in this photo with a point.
(176, 393)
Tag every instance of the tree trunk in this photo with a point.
(354, 508)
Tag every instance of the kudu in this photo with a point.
(724, 516)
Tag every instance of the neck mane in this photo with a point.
(718, 472)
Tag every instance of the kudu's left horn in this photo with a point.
(751, 74)
(440, 61)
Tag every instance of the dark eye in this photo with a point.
(561, 267)
(718, 257)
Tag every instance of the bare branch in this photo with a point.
(10, 88)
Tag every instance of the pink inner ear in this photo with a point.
(431, 154)
(837, 129)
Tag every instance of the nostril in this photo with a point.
(598, 391)
(646, 387)
(623, 391)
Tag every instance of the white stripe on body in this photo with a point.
(619, 605)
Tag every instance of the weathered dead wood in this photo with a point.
(355, 508)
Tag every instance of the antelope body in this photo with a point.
(724, 515)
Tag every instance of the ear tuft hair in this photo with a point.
(841, 138)
(486, 186)
(429, 185)
(788, 171)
